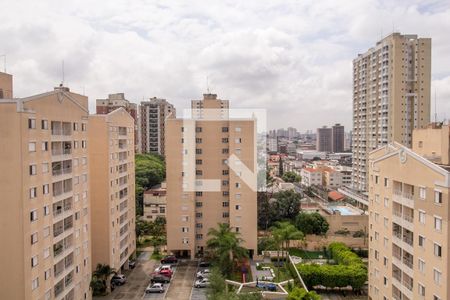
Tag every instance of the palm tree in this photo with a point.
(284, 233)
(225, 246)
(102, 273)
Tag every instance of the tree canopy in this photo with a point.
(311, 223)
(301, 294)
(287, 204)
(291, 177)
(150, 170)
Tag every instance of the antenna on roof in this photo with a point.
(207, 84)
(4, 61)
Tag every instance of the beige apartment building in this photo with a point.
(6, 86)
(155, 202)
(391, 97)
(209, 158)
(111, 164)
(408, 218)
(45, 197)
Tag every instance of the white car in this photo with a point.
(163, 267)
(201, 283)
(154, 288)
(204, 273)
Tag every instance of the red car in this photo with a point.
(169, 259)
(166, 272)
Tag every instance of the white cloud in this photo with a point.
(291, 57)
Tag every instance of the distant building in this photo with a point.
(311, 177)
(338, 137)
(155, 202)
(272, 145)
(152, 125)
(324, 142)
(391, 97)
(291, 149)
(6, 86)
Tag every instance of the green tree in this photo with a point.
(100, 278)
(149, 170)
(291, 177)
(287, 204)
(301, 294)
(311, 223)
(225, 247)
(217, 289)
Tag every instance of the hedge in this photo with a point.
(350, 270)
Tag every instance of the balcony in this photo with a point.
(61, 129)
(404, 198)
(122, 131)
(62, 187)
(61, 150)
(403, 219)
(122, 144)
(62, 167)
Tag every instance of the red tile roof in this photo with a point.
(335, 196)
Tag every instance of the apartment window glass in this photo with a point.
(438, 223)
(376, 179)
(198, 151)
(45, 168)
(422, 216)
(421, 290)
(46, 252)
(33, 170)
(238, 207)
(225, 151)
(437, 276)
(31, 147)
(438, 197)
(421, 265)
(422, 193)
(185, 241)
(386, 202)
(46, 210)
(421, 241)
(238, 140)
(198, 172)
(46, 231)
(45, 189)
(198, 129)
(225, 215)
(32, 123)
(47, 274)
(83, 126)
(44, 124)
(224, 129)
(33, 215)
(225, 204)
(199, 194)
(44, 146)
(34, 238)
(83, 144)
(224, 140)
(238, 129)
(35, 283)
(437, 250)
(386, 182)
(75, 126)
(34, 261)
(184, 229)
(33, 192)
(198, 140)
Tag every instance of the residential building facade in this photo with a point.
(408, 218)
(111, 157)
(391, 97)
(152, 128)
(6, 86)
(338, 138)
(155, 202)
(45, 216)
(311, 177)
(208, 160)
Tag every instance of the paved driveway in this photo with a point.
(182, 281)
(137, 280)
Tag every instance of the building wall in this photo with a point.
(433, 143)
(338, 138)
(402, 187)
(155, 203)
(324, 139)
(391, 97)
(17, 226)
(112, 188)
(6, 86)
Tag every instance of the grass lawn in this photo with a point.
(306, 254)
(156, 256)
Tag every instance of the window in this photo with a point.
(225, 151)
(376, 179)
(438, 197)
(75, 126)
(198, 204)
(45, 168)
(198, 161)
(385, 281)
(34, 238)
(224, 129)
(238, 140)
(377, 255)
(185, 218)
(238, 129)
(385, 261)
(225, 193)
(422, 193)
(238, 207)
(436, 298)
(44, 124)
(422, 216)
(199, 194)
(198, 129)
(421, 241)
(34, 261)
(44, 146)
(438, 223)
(83, 144)
(45, 189)
(46, 210)
(46, 252)
(83, 126)
(224, 140)
(198, 215)
(225, 172)
(198, 172)
(184, 229)
(199, 236)
(225, 204)
(185, 241)
(386, 182)
(47, 274)
(386, 202)
(31, 123)
(198, 151)
(421, 290)
(46, 231)
(35, 283)
(238, 196)
(31, 147)
(33, 170)
(198, 140)
(437, 250)
(225, 215)
(75, 144)
(33, 215)
(421, 265)
(437, 276)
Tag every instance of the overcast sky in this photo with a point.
(293, 58)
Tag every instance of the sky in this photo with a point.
(292, 58)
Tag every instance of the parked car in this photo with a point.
(118, 279)
(166, 272)
(169, 259)
(154, 288)
(164, 267)
(203, 274)
(159, 278)
(201, 283)
(131, 264)
(267, 286)
(204, 264)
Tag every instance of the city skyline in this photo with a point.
(306, 68)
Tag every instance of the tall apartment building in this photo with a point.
(338, 138)
(408, 217)
(324, 142)
(115, 101)
(111, 164)
(207, 157)
(391, 97)
(6, 86)
(45, 215)
(152, 128)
